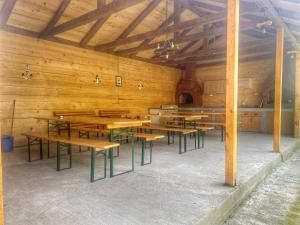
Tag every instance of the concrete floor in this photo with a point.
(174, 189)
(276, 200)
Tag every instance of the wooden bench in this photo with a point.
(171, 131)
(215, 124)
(147, 138)
(74, 113)
(98, 147)
(112, 113)
(201, 131)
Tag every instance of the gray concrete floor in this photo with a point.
(276, 201)
(174, 189)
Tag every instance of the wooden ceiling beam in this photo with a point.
(244, 46)
(113, 7)
(6, 10)
(177, 14)
(170, 29)
(182, 39)
(273, 14)
(57, 15)
(152, 5)
(246, 58)
(96, 26)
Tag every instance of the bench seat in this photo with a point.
(98, 147)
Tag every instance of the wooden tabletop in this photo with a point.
(109, 122)
(185, 117)
(202, 113)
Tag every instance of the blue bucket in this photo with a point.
(7, 143)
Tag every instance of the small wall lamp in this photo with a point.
(97, 80)
(141, 85)
(27, 74)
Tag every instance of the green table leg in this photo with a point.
(180, 143)
(93, 156)
(111, 159)
(132, 152)
(198, 134)
(143, 153)
(70, 154)
(151, 145)
(168, 137)
(184, 143)
(58, 157)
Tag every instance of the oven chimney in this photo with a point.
(188, 91)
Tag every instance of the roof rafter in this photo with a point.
(57, 15)
(273, 14)
(152, 5)
(96, 26)
(6, 10)
(113, 7)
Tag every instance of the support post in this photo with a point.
(1, 187)
(278, 88)
(297, 97)
(233, 7)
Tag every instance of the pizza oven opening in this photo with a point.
(185, 99)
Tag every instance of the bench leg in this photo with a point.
(195, 136)
(143, 153)
(70, 155)
(202, 134)
(29, 150)
(168, 137)
(58, 157)
(173, 137)
(198, 134)
(111, 161)
(48, 145)
(180, 143)
(93, 159)
(151, 146)
(222, 133)
(185, 142)
(41, 149)
(132, 153)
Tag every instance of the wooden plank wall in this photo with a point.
(258, 71)
(63, 80)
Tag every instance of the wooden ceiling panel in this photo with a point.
(32, 15)
(117, 23)
(188, 15)
(154, 19)
(290, 6)
(1, 3)
(76, 34)
(146, 54)
(127, 46)
(77, 8)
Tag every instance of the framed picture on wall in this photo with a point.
(118, 81)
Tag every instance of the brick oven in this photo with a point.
(188, 91)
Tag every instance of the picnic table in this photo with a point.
(116, 127)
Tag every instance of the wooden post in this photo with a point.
(297, 96)
(1, 185)
(233, 7)
(278, 88)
